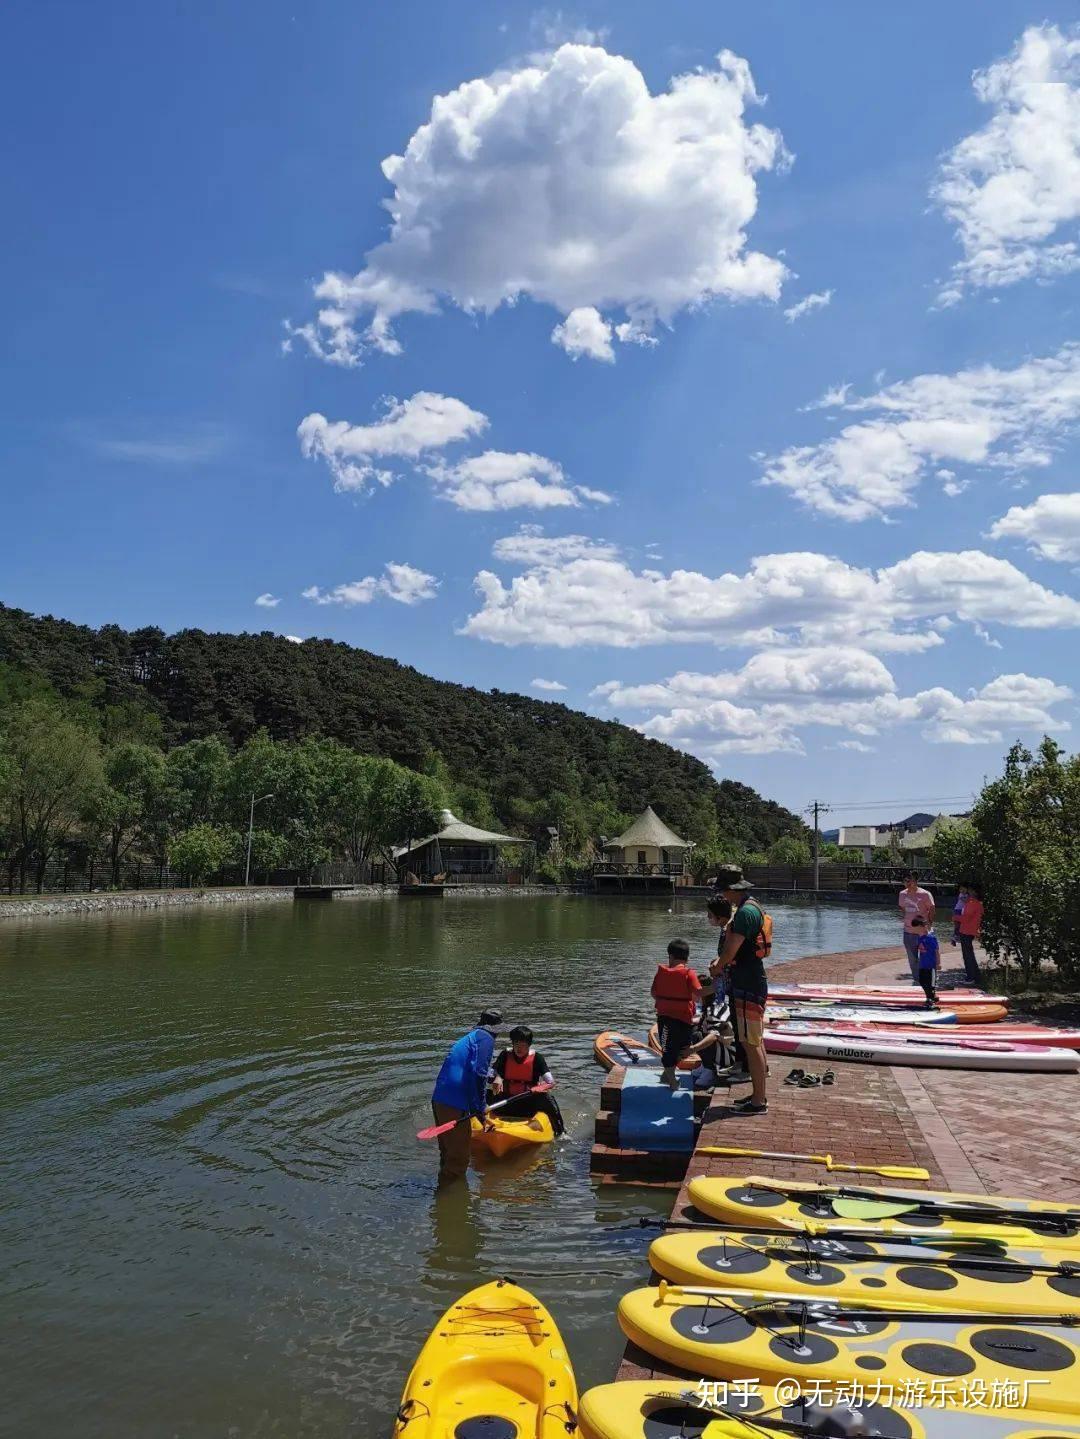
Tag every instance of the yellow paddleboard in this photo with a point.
(505, 1135)
(494, 1367)
(872, 1271)
(747, 1336)
(746, 1202)
(668, 1409)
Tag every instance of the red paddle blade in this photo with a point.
(433, 1131)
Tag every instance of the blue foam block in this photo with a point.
(652, 1116)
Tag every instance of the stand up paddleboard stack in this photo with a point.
(880, 1024)
(794, 1309)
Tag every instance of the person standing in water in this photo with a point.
(461, 1091)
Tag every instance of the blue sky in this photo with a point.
(182, 178)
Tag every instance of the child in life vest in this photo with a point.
(675, 990)
(517, 1070)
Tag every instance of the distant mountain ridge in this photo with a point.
(520, 755)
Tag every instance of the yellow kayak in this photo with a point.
(669, 1409)
(1007, 1282)
(752, 1335)
(494, 1367)
(753, 1201)
(505, 1135)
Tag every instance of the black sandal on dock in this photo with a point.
(796, 1076)
(829, 1077)
(810, 1081)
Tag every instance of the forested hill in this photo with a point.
(510, 757)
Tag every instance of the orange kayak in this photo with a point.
(612, 1048)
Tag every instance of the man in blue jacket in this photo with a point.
(461, 1091)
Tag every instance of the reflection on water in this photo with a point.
(216, 1217)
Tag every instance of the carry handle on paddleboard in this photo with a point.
(435, 1130)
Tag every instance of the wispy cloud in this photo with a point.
(816, 301)
(190, 445)
(403, 583)
(267, 601)
(550, 685)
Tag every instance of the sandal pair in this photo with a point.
(803, 1080)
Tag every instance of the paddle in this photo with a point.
(857, 1313)
(436, 1129)
(886, 1206)
(916, 1237)
(634, 1058)
(792, 1251)
(890, 1171)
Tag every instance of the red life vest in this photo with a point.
(673, 989)
(519, 1074)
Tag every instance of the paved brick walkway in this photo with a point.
(1006, 1133)
(1016, 1134)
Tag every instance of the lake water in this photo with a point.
(214, 1216)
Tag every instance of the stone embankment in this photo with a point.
(32, 906)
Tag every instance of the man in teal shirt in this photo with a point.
(741, 959)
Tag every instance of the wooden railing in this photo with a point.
(605, 867)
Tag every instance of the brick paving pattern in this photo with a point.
(1016, 1134)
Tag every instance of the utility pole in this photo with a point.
(251, 829)
(817, 809)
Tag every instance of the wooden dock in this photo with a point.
(320, 891)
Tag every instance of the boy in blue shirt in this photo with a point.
(929, 953)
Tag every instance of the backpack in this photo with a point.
(764, 936)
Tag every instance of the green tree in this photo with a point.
(789, 849)
(195, 778)
(130, 800)
(51, 774)
(1021, 846)
(202, 850)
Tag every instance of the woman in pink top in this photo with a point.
(970, 925)
(915, 903)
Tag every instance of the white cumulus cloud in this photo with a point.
(551, 685)
(567, 182)
(1003, 419)
(817, 301)
(403, 583)
(707, 714)
(1013, 188)
(499, 481)
(585, 332)
(1050, 527)
(575, 592)
(407, 430)
(267, 601)
(412, 431)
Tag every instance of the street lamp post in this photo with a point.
(251, 828)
